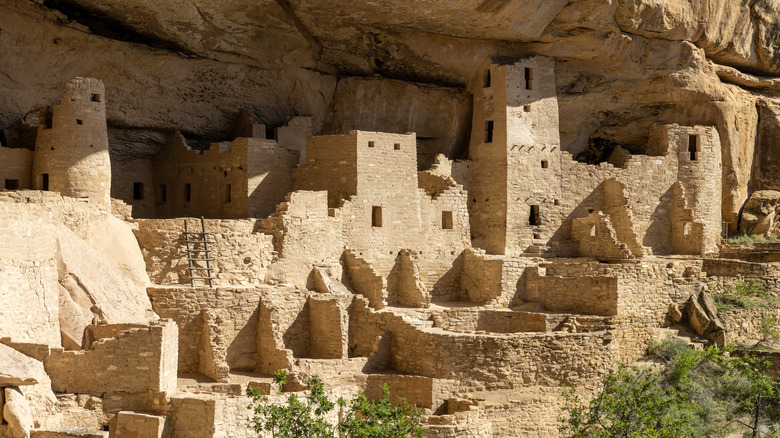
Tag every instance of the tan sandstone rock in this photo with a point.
(16, 369)
(759, 215)
(17, 413)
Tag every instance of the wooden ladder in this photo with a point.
(198, 252)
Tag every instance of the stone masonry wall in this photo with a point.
(238, 309)
(138, 360)
(241, 255)
(71, 148)
(17, 166)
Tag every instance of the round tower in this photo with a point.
(71, 150)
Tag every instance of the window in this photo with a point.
(45, 181)
(486, 79)
(446, 220)
(529, 78)
(138, 190)
(489, 131)
(187, 192)
(397, 146)
(693, 146)
(527, 108)
(162, 194)
(533, 217)
(96, 98)
(12, 184)
(228, 192)
(537, 236)
(376, 216)
(370, 144)
(79, 122)
(48, 119)
(545, 164)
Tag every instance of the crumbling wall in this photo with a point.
(241, 254)
(490, 320)
(137, 361)
(269, 173)
(597, 237)
(589, 295)
(481, 277)
(304, 234)
(185, 305)
(365, 279)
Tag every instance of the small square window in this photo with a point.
(228, 193)
(527, 108)
(96, 98)
(79, 122)
(370, 144)
(486, 79)
(537, 236)
(376, 216)
(446, 220)
(545, 164)
(397, 146)
(529, 78)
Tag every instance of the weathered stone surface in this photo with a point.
(759, 215)
(16, 369)
(674, 313)
(707, 303)
(17, 413)
(697, 317)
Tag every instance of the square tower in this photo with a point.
(515, 147)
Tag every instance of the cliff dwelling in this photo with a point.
(476, 210)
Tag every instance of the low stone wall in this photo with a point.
(499, 361)
(524, 416)
(489, 320)
(138, 360)
(589, 295)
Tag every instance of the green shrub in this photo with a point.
(305, 417)
(696, 394)
(746, 238)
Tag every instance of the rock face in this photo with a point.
(17, 413)
(636, 63)
(16, 369)
(760, 213)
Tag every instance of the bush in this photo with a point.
(695, 394)
(305, 417)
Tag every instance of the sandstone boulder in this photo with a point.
(16, 369)
(759, 216)
(697, 317)
(17, 413)
(707, 303)
(674, 313)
